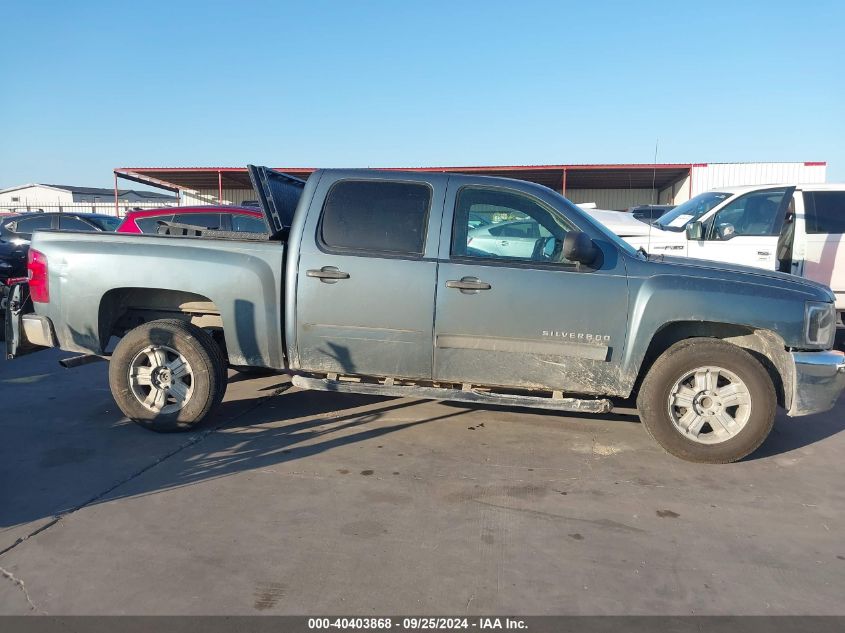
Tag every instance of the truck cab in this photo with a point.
(796, 229)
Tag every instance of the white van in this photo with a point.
(791, 228)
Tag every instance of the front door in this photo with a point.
(366, 276)
(524, 317)
(746, 230)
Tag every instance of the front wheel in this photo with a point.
(167, 375)
(707, 401)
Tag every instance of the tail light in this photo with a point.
(39, 283)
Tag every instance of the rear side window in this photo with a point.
(28, 225)
(150, 225)
(205, 220)
(376, 216)
(824, 211)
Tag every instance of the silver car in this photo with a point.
(516, 238)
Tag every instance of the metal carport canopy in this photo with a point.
(558, 177)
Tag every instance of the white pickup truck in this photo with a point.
(798, 229)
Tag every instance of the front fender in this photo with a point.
(660, 300)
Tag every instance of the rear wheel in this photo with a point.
(167, 375)
(707, 401)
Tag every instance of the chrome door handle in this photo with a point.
(468, 285)
(763, 253)
(327, 274)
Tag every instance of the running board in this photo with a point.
(459, 395)
(78, 361)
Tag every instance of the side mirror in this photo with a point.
(725, 231)
(578, 247)
(695, 231)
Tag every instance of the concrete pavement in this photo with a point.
(292, 502)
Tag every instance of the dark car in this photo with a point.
(650, 212)
(16, 232)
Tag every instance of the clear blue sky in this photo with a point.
(88, 86)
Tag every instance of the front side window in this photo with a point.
(105, 223)
(513, 226)
(824, 212)
(754, 214)
(376, 216)
(73, 224)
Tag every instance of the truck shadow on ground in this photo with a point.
(263, 431)
(315, 423)
(295, 425)
(275, 427)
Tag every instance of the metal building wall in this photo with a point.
(618, 199)
(714, 175)
(677, 193)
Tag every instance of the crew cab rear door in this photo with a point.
(278, 195)
(821, 227)
(366, 276)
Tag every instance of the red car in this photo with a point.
(248, 220)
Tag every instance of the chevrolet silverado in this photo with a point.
(380, 282)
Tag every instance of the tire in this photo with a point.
(741, 407)
(167, 375)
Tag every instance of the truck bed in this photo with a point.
(236, 281)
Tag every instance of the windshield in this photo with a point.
(692, 209)
(105, 223)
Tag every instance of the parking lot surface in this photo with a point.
(292, 502)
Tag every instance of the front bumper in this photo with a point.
(819, 379)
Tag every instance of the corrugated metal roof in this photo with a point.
(577, 176)
(611, 176)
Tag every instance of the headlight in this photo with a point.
(820, 323)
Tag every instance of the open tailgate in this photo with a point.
(25, 332)
(278, 195)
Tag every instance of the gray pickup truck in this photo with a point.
(440, 286)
